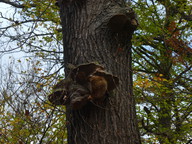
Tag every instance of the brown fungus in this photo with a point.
(98, 87)
(81, 73)
(59, 96)
(85, 82)
(112, 81)
(79, 95)
(102, 82)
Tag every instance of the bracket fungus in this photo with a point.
(102, 82)
(79, 95)
(112, 80)
(86, 82)
(81, 73)
(59, 95)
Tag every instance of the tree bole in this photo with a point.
(87, 37)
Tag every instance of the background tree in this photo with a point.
(162, 67)
(25, 115)
(30, 63)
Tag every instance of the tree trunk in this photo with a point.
(90, 35)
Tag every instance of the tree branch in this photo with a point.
(15, 4)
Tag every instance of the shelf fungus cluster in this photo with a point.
(86, 82)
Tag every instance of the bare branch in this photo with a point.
(15, 4)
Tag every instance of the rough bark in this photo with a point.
(87, 37)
